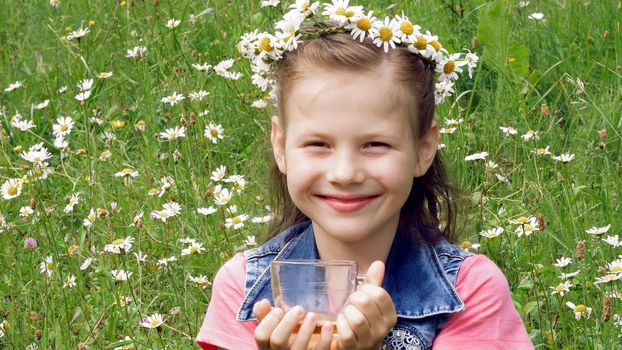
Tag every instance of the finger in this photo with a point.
(381, 299)
(375, 273)
(283, 331)
(359, 325)
(261, 309)
(364, 302)
(347, 340)
(305, 332)
(265, 329)
(326, 337)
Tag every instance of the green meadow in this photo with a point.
(134, 158)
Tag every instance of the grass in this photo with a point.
(561, 77)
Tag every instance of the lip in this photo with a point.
(346, 204)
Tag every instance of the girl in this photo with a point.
(358, 177)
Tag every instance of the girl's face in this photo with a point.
(349, 153)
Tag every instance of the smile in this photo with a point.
(347, 204)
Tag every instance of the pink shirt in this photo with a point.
(488, 322)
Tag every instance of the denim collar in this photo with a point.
(414, 277)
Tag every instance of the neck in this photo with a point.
(364, 252)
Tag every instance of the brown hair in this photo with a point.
(429, 202)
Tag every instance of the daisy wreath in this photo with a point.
(266, 49)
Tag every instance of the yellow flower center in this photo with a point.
(340, 11)
(528, 228)
(214, 132)
(194, 250)
(407, 28)
(560, 288)
(581, 308)
(155, 323)
(127, 171)
(64, 127)
(522, 220)
(118, 241)
(349, 13)
(436, 45)
(236, 220)
(449, 67)
(364, 24)
(421, 43)
(264, 45)
(466, 245)
(616, 269)
(173, 135)
(540, 151)
(49, 266)
(118, 124)
(385, 34)
(12, 190)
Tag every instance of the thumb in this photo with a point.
(261, 309)
(375, 273)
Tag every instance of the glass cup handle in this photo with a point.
(360, 279)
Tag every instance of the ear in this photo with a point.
(426, 149)
(277, 138)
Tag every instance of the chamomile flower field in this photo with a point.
(134, 157)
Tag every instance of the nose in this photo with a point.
(345, 168)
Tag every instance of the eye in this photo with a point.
(376, 144)
(319, 144)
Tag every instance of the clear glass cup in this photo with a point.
(319, 286)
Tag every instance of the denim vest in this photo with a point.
(419, 277)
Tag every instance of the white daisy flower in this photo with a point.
(541, 151)
(236, 222)
(268, 3)
(90, 219)
(201, 281)
(568, 275)
(564, 158)
(172, 99)
(223, 66)
(25, 211)
(613, 241)
(47, 266)
(84, 85)
(306, 7)
(385, 34)
(70, 281)
(77, 34)
(536, 16)
(202, 67)
(138, 52)
(173, 133)
(63, 126)
(471, 62)
(260, 104)
(531, 134)
(476, 156)
(198, 95)
(340, 11)
(219, 173)
(126, 172)
(615, 266)
(562, 262)
(361, 26)
(121, 245)
(443, 89)
(597, 231)
(492, 233)
(86, 263)
(214, 132)
(73, 200)
(41, 105)
(562, 288)
(206, 211)
(449, 67)
(36, 156)
(140, 257)
(526, 225)
(16, 85)
(608, 278)
(580, 310)
(153, 321)
(83, 96)
(250, 241)
(222, 197)
(172, 23)
(120, 275)
(194, 248)
(22, 124)
(104, 75)
(11, 188)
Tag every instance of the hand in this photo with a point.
(276, 329)
(370, 315)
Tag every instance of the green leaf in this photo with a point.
(495, 35)
(526, 284)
